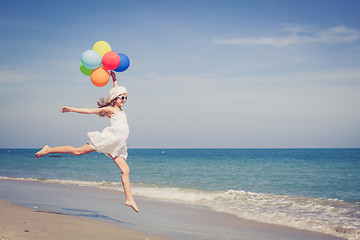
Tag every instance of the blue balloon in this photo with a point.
(91, 59)
(124, 63)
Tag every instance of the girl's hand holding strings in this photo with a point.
(113, 75)
(114, 78)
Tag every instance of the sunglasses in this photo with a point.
(123, 98)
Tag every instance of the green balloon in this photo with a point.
(85, 70)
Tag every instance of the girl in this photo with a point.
(111, 141)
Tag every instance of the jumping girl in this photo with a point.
(111, 141)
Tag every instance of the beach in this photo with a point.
(17, 223)
(58, 211)
(254, 194)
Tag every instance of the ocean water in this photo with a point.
(310, 189)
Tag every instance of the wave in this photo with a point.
(329, 216)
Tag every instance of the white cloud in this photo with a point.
(275, 41)
(13, 77)
(337, 34)
(295, 29)
(299, 35)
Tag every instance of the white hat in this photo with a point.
(116, 91)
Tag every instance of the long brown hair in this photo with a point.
(105, 103)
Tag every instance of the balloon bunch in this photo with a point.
(97, 63)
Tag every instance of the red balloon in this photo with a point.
(111, 60)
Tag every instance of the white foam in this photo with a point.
(330, 216)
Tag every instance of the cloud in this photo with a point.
(338, 34)
(13, 77)
(299, 35)
(295, 29)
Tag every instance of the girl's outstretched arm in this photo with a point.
(85, 110)
(114, 78)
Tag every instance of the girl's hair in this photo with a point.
(105, 103)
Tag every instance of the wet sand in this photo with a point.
(18, 223)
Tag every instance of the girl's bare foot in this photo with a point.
(42, 152)
(132, 204)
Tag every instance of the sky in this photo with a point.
(203, 73)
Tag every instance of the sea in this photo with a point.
(310, 189)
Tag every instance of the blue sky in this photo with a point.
(214, 74)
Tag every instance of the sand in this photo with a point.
(19, 223)
(75, 212)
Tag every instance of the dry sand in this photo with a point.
(19, 223)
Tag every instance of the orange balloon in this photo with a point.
(100, 77)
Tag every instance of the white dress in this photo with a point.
(112, 140)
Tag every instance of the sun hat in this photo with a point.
(116, 91)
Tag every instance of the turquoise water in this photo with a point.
(313, 189)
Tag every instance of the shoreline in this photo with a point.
(19, 223)
(156, 218)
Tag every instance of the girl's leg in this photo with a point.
(64, 149)
(125, 171)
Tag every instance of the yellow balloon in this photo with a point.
(102, 47)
